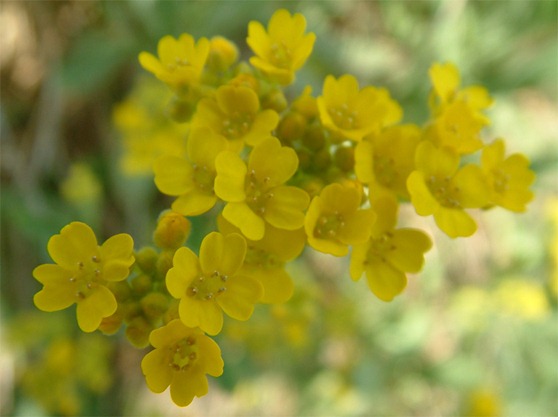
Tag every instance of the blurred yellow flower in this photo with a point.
(483, 402)
(522, 298)
(255, 192)
(180, 61)
(235, 113)
(266, 259)
(509, 178)
(353, 112)
(81, 186)
(283, 48)
(390, 253)
(81, 273)
(192, 179)
(385, 160)
(181, 359)
(334, 220)
(439, 187)
(212, 284)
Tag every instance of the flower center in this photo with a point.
(384, 169)
(178, 63)
(443, 191)
(183, 354)
(500, 181)
(280, 55)
(87, 277)
(257, 193)
(344, 117)
(207, 287)
(237, 125)
(261, 259)
(328, 225)
(204, 178)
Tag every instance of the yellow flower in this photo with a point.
(211, 284)
(334, 220)
(182, 357)
(355, 113)
(191, 180)
(255, 192)
(81, 273)
(235, 113)
(266, 259)
(390, 253)
(446, 80)
(222, 53)
(181, 61)
(283, 49)
(509, 178)
(81, 186)
(439, 187)
(385, 160)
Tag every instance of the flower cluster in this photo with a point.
(278, 174)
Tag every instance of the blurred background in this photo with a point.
(476, 333)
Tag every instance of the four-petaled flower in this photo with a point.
(181, 61)
(353, 112)
(81, 273)
(211, 284)
(283, 49)
(235, 114)
(255, 192)
(182, 357)
(509, 178)
(334, 220)
(439, 187)
(390, 253)
(191, 180)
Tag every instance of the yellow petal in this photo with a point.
(173, 175)
(194, 203)
(436, 161)
(231, 175)
(118, 248)
(445, 79)
(155, 367)
(250, 224)
(239, 298)
(201, 313)
(357, 227)
(224, 254)
(187, 385)
(277, 284)
(54, 298)
(75, 243)
(286, 209)
(409, 248)
(211, 356)
(424, 202)
(185, 269)
(384, 280)
(204, 145)
(91, 310)
(455, 222)
(272, 163)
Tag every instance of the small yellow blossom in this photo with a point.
(334, 220)
(385, 160)
(509, 178)
(192, 179)
(180, 62)
(181, 359)
(446, 81)
(390, 253)
(483, 402)
(439, 187)
(255, 192)
(353, 112)
(266, 259)
(81, 273)
(208, 285)
(283, 48)
(235, 113)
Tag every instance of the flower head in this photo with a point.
(180, 62)
(509, 178)
(192, 179)
(81, 273)
(211, 284)
(235, 114)
(353, 112)
(255, 192)
(182, 357)
(439, 187)
(334, 220)
(283, 48)
(390, 253)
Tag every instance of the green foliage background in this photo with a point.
(65, 64)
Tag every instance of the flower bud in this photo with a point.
(181, 109)
(146, 259)
(291, 127)
(154, 305)
(141, 284)
(164, 263)
(345, 158)
(222, 54)
(314, 137)
(138, 331)
(172, 230)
